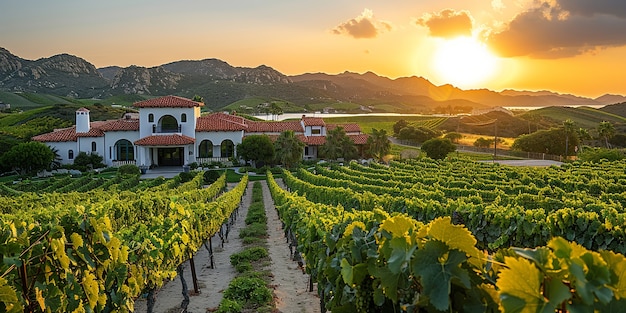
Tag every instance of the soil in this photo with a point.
(290, 283)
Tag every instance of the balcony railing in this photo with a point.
(120, 163)
(169, 130)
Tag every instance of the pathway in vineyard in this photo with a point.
(290, 284)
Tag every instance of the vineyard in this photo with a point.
(414, 236)
(97, 251)
(389, 239)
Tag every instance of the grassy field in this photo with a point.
(250, 105)
(583, 117)
(367, 123)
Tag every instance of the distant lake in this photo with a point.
(287, 116)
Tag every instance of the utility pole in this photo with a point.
(495, 140)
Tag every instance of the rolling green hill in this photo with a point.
(583, 117)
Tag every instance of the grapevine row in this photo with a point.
(370, 261)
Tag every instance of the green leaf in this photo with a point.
(541, 256)
(8, 297)
(617, 265)
(352, 274)
(400, 254)
(557, 292)
(520, 287)
(437, 266)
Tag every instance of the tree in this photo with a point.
(453, 136)
(379, 144)
(338, 145)
(84, 161)
(606, 131)
(417, 134)
(198, 98)
(288, 148)
(550, 141)
(28, 157)
(438, 148)
(398, 126)
(568, 126)
(275, 110)
(256, 148)
(483, 143)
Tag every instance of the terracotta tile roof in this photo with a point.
(359, 139)
(348, 128)
(59, 135)
(314, 140)
(313, 121)
(93, 132)
(120, 125)
(220, 122)
(83, 109)
(168, 102)
(165, 140)
(274, 127)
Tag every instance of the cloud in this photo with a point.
(563, 28)
(363, 26)
(447, 24)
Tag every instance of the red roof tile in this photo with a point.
(220, 122)
(93, 132)
(313, 121)
(315, 140)
(348, 128)
(359, 139)
(274, 127)
(165, 140)
(168, 102)
(120, 125)
(60, 135)
(83, 109)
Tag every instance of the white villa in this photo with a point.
(169, 131)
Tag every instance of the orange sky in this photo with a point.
(567, 46)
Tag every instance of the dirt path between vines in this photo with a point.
(290, 284)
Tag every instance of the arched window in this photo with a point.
(168, 124)
(227, 149)
(150, 118)
(93, 146)
(205, 149)
(183, 118)
(70, 154)
(124, 150)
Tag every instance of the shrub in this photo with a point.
(248, 289)
(254, 230)
(248, 255)
(597, 155)
(186, 176)
(243, 267)
(128, 169)
(211, 176)
(229, 306)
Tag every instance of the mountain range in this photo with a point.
(221, 84)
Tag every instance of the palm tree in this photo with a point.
(338, 145)
(379, 144)
(606, 131)
(568, 125)
(288, 148)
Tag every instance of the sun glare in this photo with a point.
(464, 62)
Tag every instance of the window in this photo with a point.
(227, 149)
(205, 149)
(124, 150)
(150, 118)
(70, 154)
(183, 118)
(306, 150)
(168, 124)
(93, 146)
(316, 131)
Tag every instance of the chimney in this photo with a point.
(82, 120)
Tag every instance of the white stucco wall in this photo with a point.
(63, 150)
(187, 128)
(110, 138)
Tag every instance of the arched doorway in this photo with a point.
(227, 149)
(124, 150)
(205, 150)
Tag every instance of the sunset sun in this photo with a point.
(464, 62)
